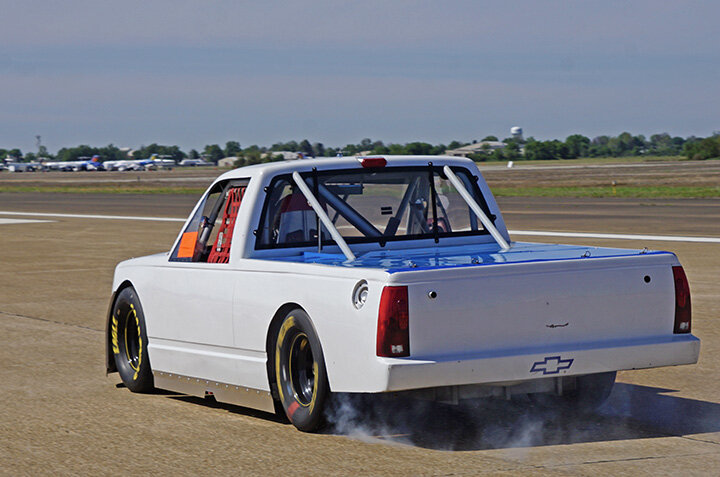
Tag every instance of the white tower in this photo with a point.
(516, 133)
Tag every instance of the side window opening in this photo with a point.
(208, 236)
(220, 252)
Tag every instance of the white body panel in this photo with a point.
(514, 305)
(489, 323)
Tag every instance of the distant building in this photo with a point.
(478, 147)
(228, 161)
(286, 155)
(487, 147)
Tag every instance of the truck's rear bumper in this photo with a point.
(518, 365)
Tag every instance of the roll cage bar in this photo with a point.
(323, 216)
(369, 230)
(475, 207)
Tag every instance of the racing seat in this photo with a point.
(298, 221)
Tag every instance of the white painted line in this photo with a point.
(663, 238)
(539, 233)
(22, 221)
(85, 216)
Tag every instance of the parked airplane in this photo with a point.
(156, 161)
(150, 163)
(194, 163)
(85, 164)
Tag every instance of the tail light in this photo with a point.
(682, 301)
(393, 334)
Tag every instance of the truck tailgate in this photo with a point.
(552, 303)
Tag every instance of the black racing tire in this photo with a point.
(300, 372)
(590, 392)
(128, 339)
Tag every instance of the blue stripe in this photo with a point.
(434, 258)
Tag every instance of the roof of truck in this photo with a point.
(329, 163)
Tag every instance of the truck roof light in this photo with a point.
(393, 330)
(683, 311)
(372, 161)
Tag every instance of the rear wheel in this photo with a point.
(129, 342)
(300, 372)
(590, 392)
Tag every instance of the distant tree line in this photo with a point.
(703, 148)
(574, 146)
(623, 145)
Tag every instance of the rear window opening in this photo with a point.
(369, 205)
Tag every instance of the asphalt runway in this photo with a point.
(62, 415)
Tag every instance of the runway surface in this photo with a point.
(62, 415)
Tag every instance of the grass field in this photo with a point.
(655, 192)
(591, 161)
(635, 177)
(667, 179)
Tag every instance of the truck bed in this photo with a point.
(480, 315)
(439, 257)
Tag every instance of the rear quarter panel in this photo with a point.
(347, 334)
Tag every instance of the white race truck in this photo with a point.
(294, 280)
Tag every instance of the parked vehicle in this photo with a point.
(82, 164)
(294, 280)
(23, 166)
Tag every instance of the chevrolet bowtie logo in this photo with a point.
(551, 365)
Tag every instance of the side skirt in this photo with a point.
(227, 393)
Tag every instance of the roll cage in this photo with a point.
(419, 213)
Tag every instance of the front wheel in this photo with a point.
(300, 372)
(129, 342)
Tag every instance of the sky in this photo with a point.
(193, 73)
